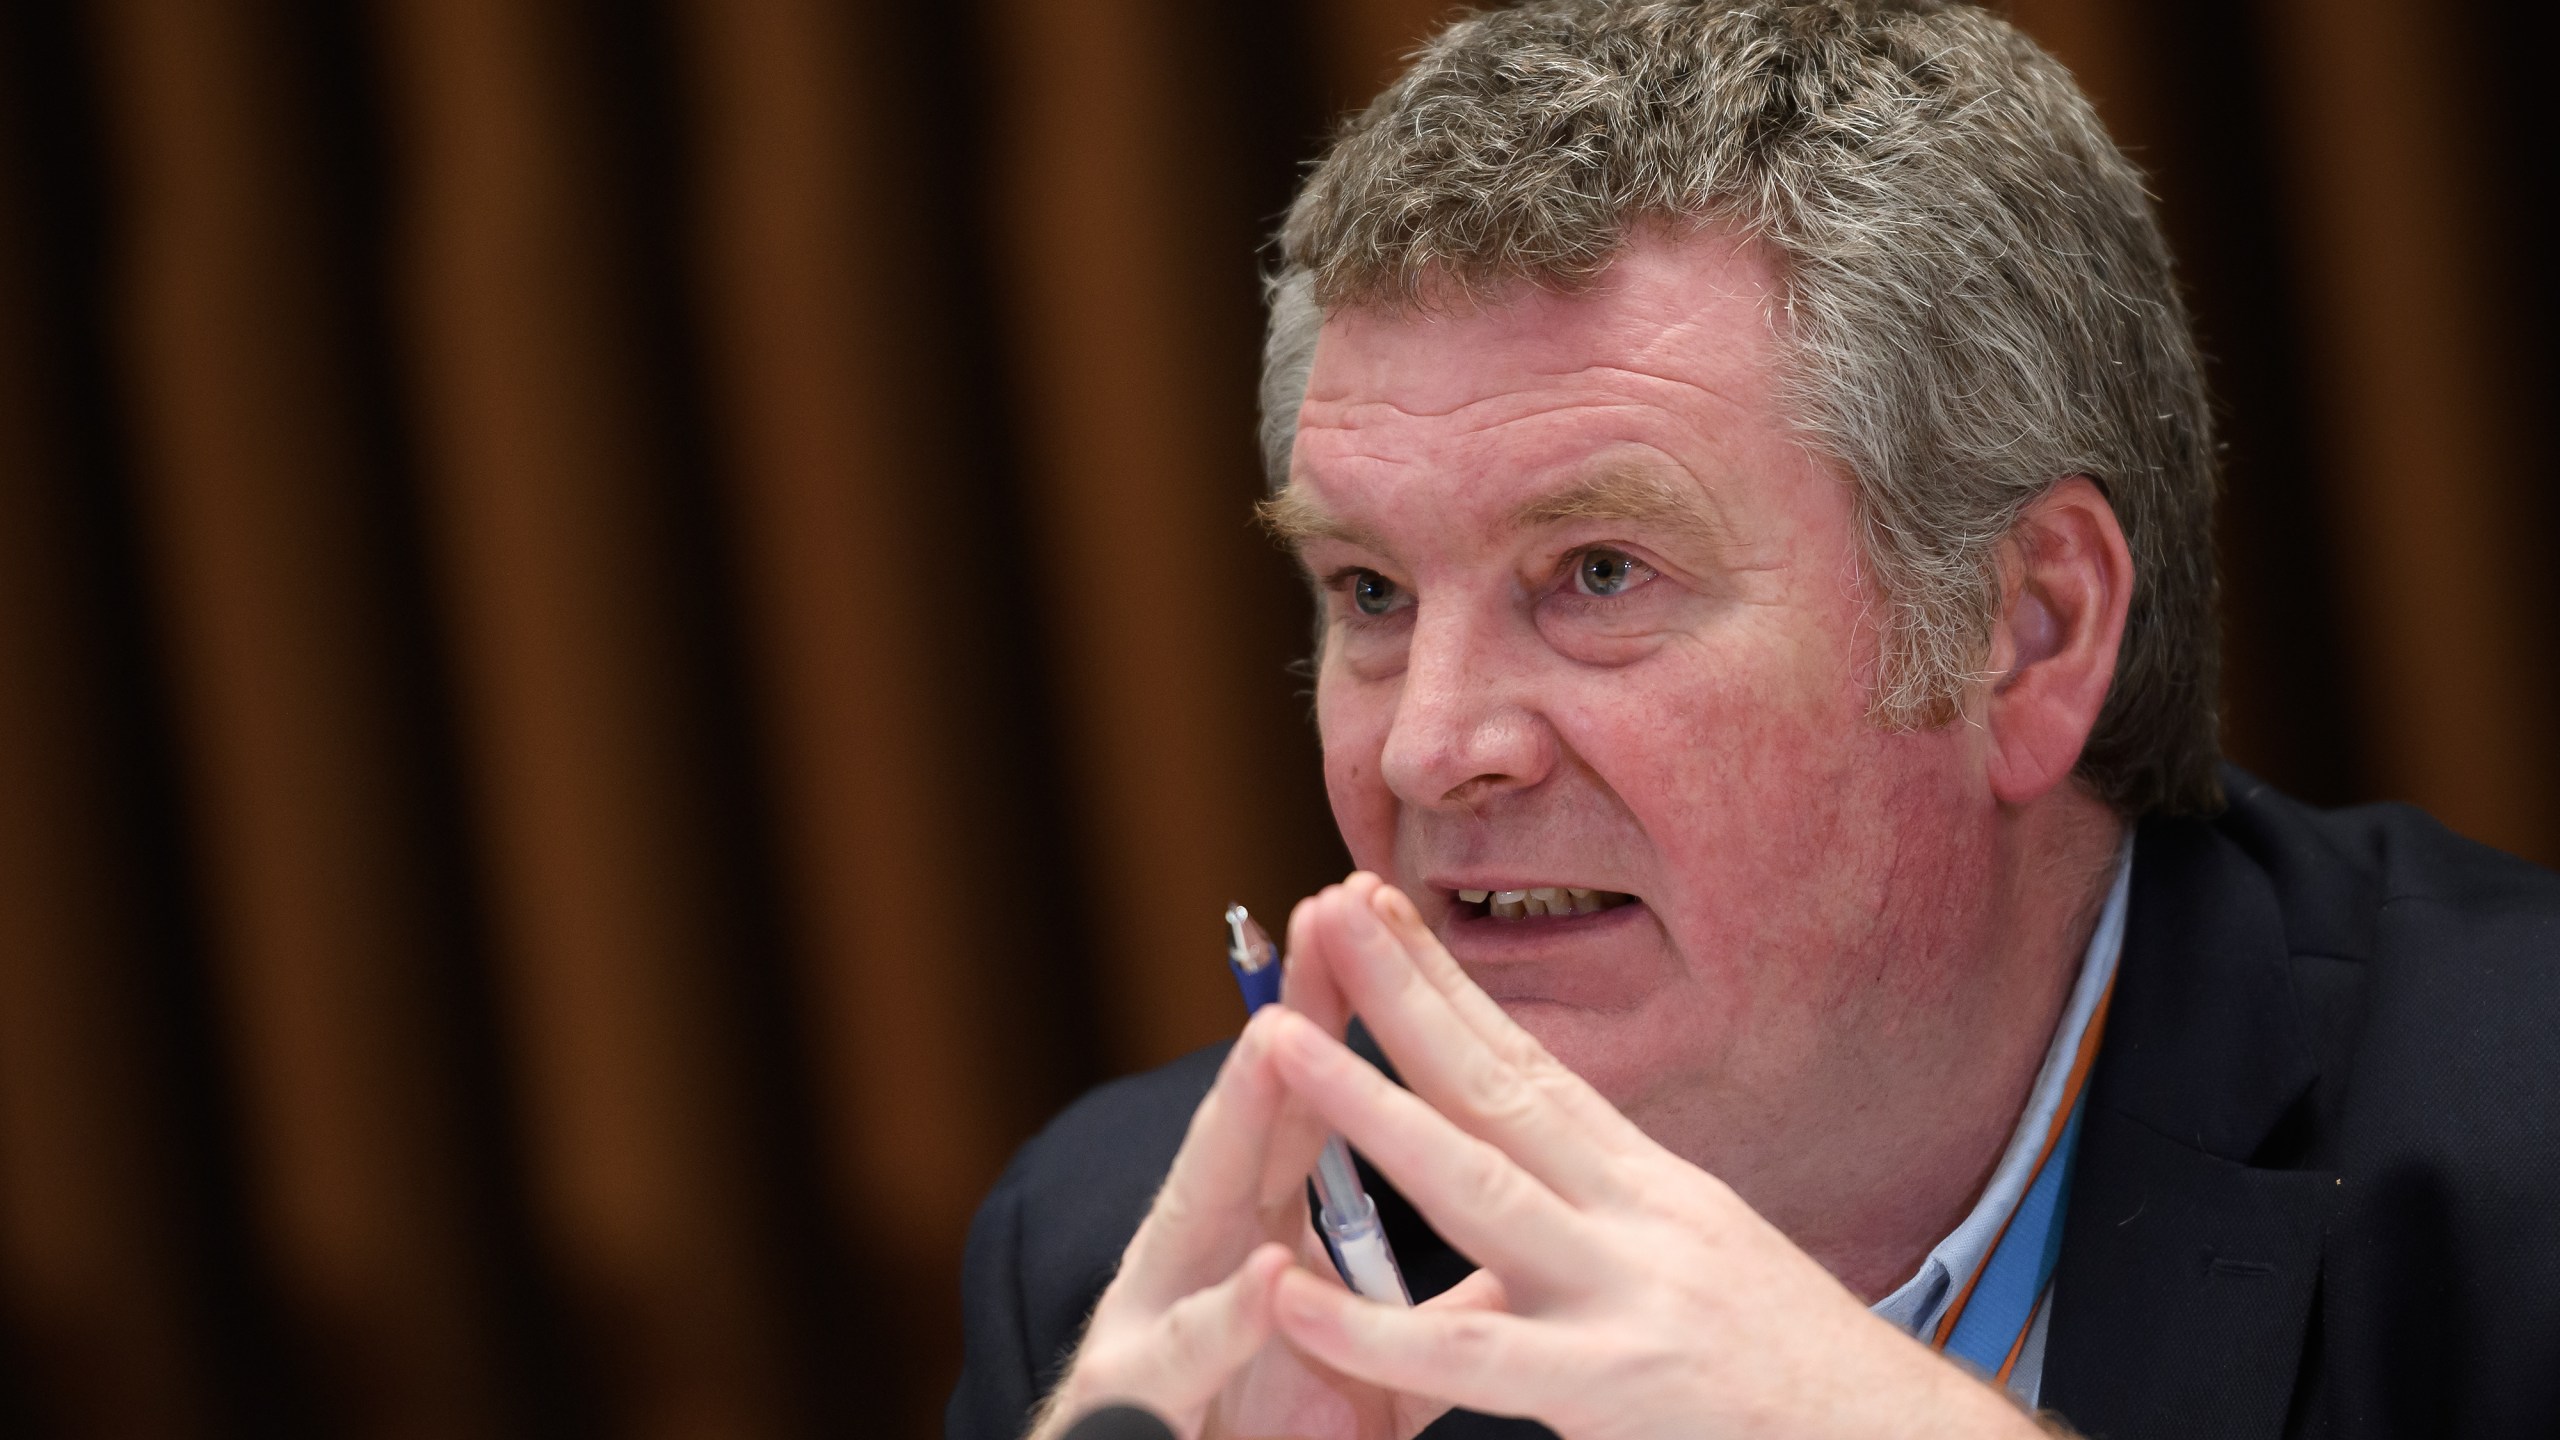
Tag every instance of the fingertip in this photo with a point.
(1294, 1039)
(1301, 915)
(1258, 1277)
(1254, 1041)
(1270, 1258)
(1395, 906)
(1285, 1038)
(1303, 1298)
(1403, 920)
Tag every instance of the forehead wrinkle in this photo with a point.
(1632, 494)
(1515, 401)
(1629, 492)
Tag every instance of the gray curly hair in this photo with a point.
(1979, 299)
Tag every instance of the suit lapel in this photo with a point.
(2187, 1274)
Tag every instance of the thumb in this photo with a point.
(1481, 1290)
(1176, 1362)
(1204, 1337)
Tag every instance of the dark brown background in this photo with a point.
(629, 643)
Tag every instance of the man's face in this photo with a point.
(1596, 620)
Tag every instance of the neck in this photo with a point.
(1929, 1101)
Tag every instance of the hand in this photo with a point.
(1625, 1292)
(1186, 1325)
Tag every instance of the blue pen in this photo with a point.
(1346, 1218)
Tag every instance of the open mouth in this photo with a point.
(1538, 900)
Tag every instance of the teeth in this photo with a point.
(1543, 900)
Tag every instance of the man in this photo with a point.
(1754, 470)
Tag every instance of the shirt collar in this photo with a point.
(1916, 1306)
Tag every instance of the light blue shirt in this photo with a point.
(1917, 1306)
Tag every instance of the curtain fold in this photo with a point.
(553, 481)
(1140, 487)
(2422, 407)
(845, 454)
(258, 495)
(103, 1290)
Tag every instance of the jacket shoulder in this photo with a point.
(2426, 964)
(2429, 968)
(2332, 1063)
(2338, 874)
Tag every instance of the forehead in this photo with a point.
(1676, 336)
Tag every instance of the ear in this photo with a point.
(2066, 581)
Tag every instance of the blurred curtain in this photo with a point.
(629, 641)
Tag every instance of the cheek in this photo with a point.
(1352, 720)
(1734, 779)
(1781, 816)
(1726, 731)
(1826, 865)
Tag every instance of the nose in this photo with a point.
(1465, 729)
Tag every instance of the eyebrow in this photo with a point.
(1294, 520)
(1635, 495)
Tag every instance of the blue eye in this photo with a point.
(1372, 593)
(1604, 572)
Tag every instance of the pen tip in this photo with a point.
(1249, 947)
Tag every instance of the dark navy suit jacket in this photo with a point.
(2317, 1192)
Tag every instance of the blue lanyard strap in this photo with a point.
(2003, 1304)
(1987, 1325)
